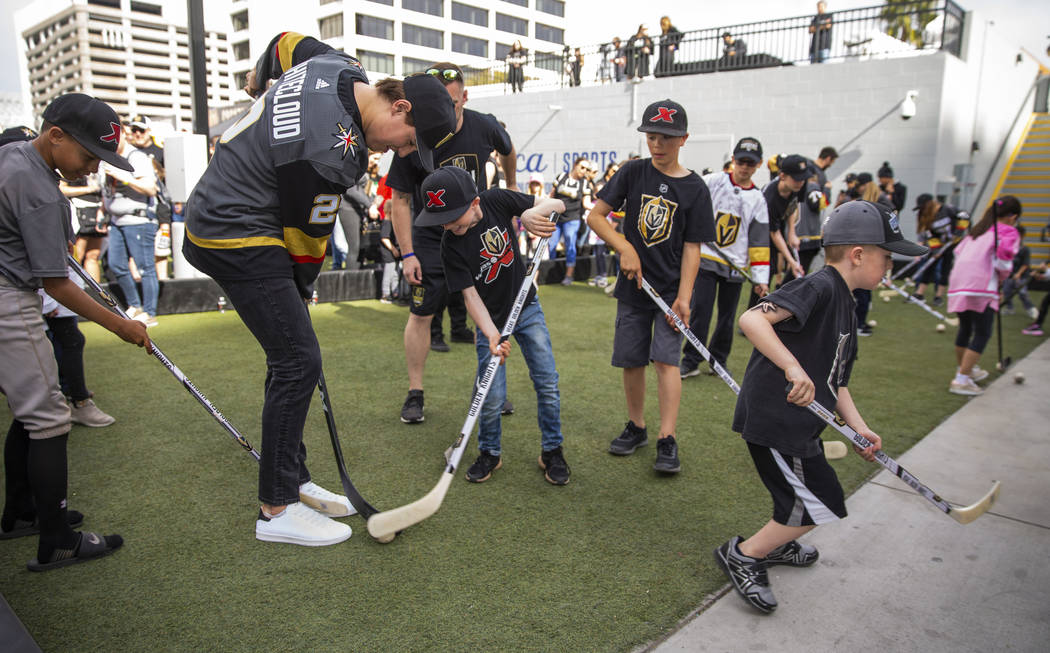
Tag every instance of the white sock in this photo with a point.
(961, 378)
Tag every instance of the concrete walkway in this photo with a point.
(898, 575)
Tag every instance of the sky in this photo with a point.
(592, 21)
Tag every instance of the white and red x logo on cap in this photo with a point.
(113, 136)
(434, 200)
(664, 115)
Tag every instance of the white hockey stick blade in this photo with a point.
(833, 449)
(385, 524)
(972, 512)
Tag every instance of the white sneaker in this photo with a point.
(133, 311)
(325, 502)
(88, 414)
(300, 525)
(969, 388)
(978, 375)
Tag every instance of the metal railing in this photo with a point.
(896, 29)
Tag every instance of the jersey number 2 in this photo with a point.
(325, 209)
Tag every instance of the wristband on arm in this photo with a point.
(405, 255)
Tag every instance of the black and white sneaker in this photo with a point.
(412, 410)
(748, 575)
(631, 438)
(667, 456)
(864, 330)
(508, 408)
(553, 463)
(794, 554)
(483, 467)
(685, 370)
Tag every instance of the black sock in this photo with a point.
(18, 497)
(48, 478)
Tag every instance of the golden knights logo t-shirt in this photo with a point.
(663, 213)
(487, 257)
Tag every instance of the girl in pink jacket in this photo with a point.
(973, 287)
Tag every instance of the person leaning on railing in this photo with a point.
(516, 58)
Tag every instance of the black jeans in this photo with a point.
(68, 343)
(276, 314)
(707, 285)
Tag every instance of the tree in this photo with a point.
(905, 19)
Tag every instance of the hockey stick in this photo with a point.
(831, 450)
(954, 321)
(362, 507)
(176, 372)
(916, 261)
(963, 515)
(1003, 363)
(729, 262)
(386, 524)
(934, 258)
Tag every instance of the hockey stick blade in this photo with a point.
(390, 522)
(975, 510)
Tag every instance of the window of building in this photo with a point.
(468, 14)
(520, 3)
(549, 61)
(411, 65)
(325, 2)
(380, 28)
(416, 35)
(505, 23)
(239, 20)
(548, 33)
(376, 61)
(470, 45)
(146, 8)
(105, 3)
(501, 50)
(556, 7)
(432, 7)
(389, 3)
(331, 26)
(241, 51)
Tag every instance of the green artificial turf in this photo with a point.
(606, 563)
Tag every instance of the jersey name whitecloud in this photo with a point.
(287, 108)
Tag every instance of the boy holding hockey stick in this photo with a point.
(668, 214)
(805, 330)
(480, 258)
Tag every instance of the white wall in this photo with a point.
(792, 109)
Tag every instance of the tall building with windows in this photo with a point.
(133, 54)
(399, 37)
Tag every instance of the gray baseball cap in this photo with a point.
(868, 223)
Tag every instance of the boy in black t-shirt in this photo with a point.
(668, 214)
(480, 257)
(805, 333)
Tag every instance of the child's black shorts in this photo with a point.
(805, 491)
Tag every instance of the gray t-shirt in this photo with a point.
(35, 220)
(125, 205)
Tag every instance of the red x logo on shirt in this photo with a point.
(113, 136)
(664, 115)
(434, 199)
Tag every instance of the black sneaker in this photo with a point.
(412, 411)
(748, 575)
(793, 554)
(685, 370)
(864, 330)
(553, 463)
(631, 438)
(437, 343)
(667, 456)
(462, 335)
(937, 301)
(508, 408)
(483, 467)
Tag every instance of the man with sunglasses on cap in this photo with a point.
(741, 242)
(259, 221)
(476, 136)
(35, 231)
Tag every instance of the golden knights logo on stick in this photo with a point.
(655, 219)
(727, 228)
(496, 252)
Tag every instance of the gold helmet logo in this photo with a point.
(727, 228)
(655, 219)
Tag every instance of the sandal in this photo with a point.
(90, 546)
(24, 527)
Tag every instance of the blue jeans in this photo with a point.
(535, 343)
(566, 230)
(275, 313)
(135, 241)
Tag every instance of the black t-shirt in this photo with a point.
(821, 39)
(154, 151)
(778, 205)
(469, 149)
(487, 256)
(571, 192)
(822, 334)
(663, 213)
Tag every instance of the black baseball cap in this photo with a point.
(92, 123)
(139, 120)
(447, 193)
(17, 135)
(433, 114)
(665, 117)
(795, 166)
(868, 223)
(864, 178)
(748, 148)
(921, 200)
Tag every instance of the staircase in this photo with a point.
(1028, 178)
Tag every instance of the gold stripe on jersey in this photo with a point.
(301, 246)
(234, 243)
(285, 48)
(758, 255)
